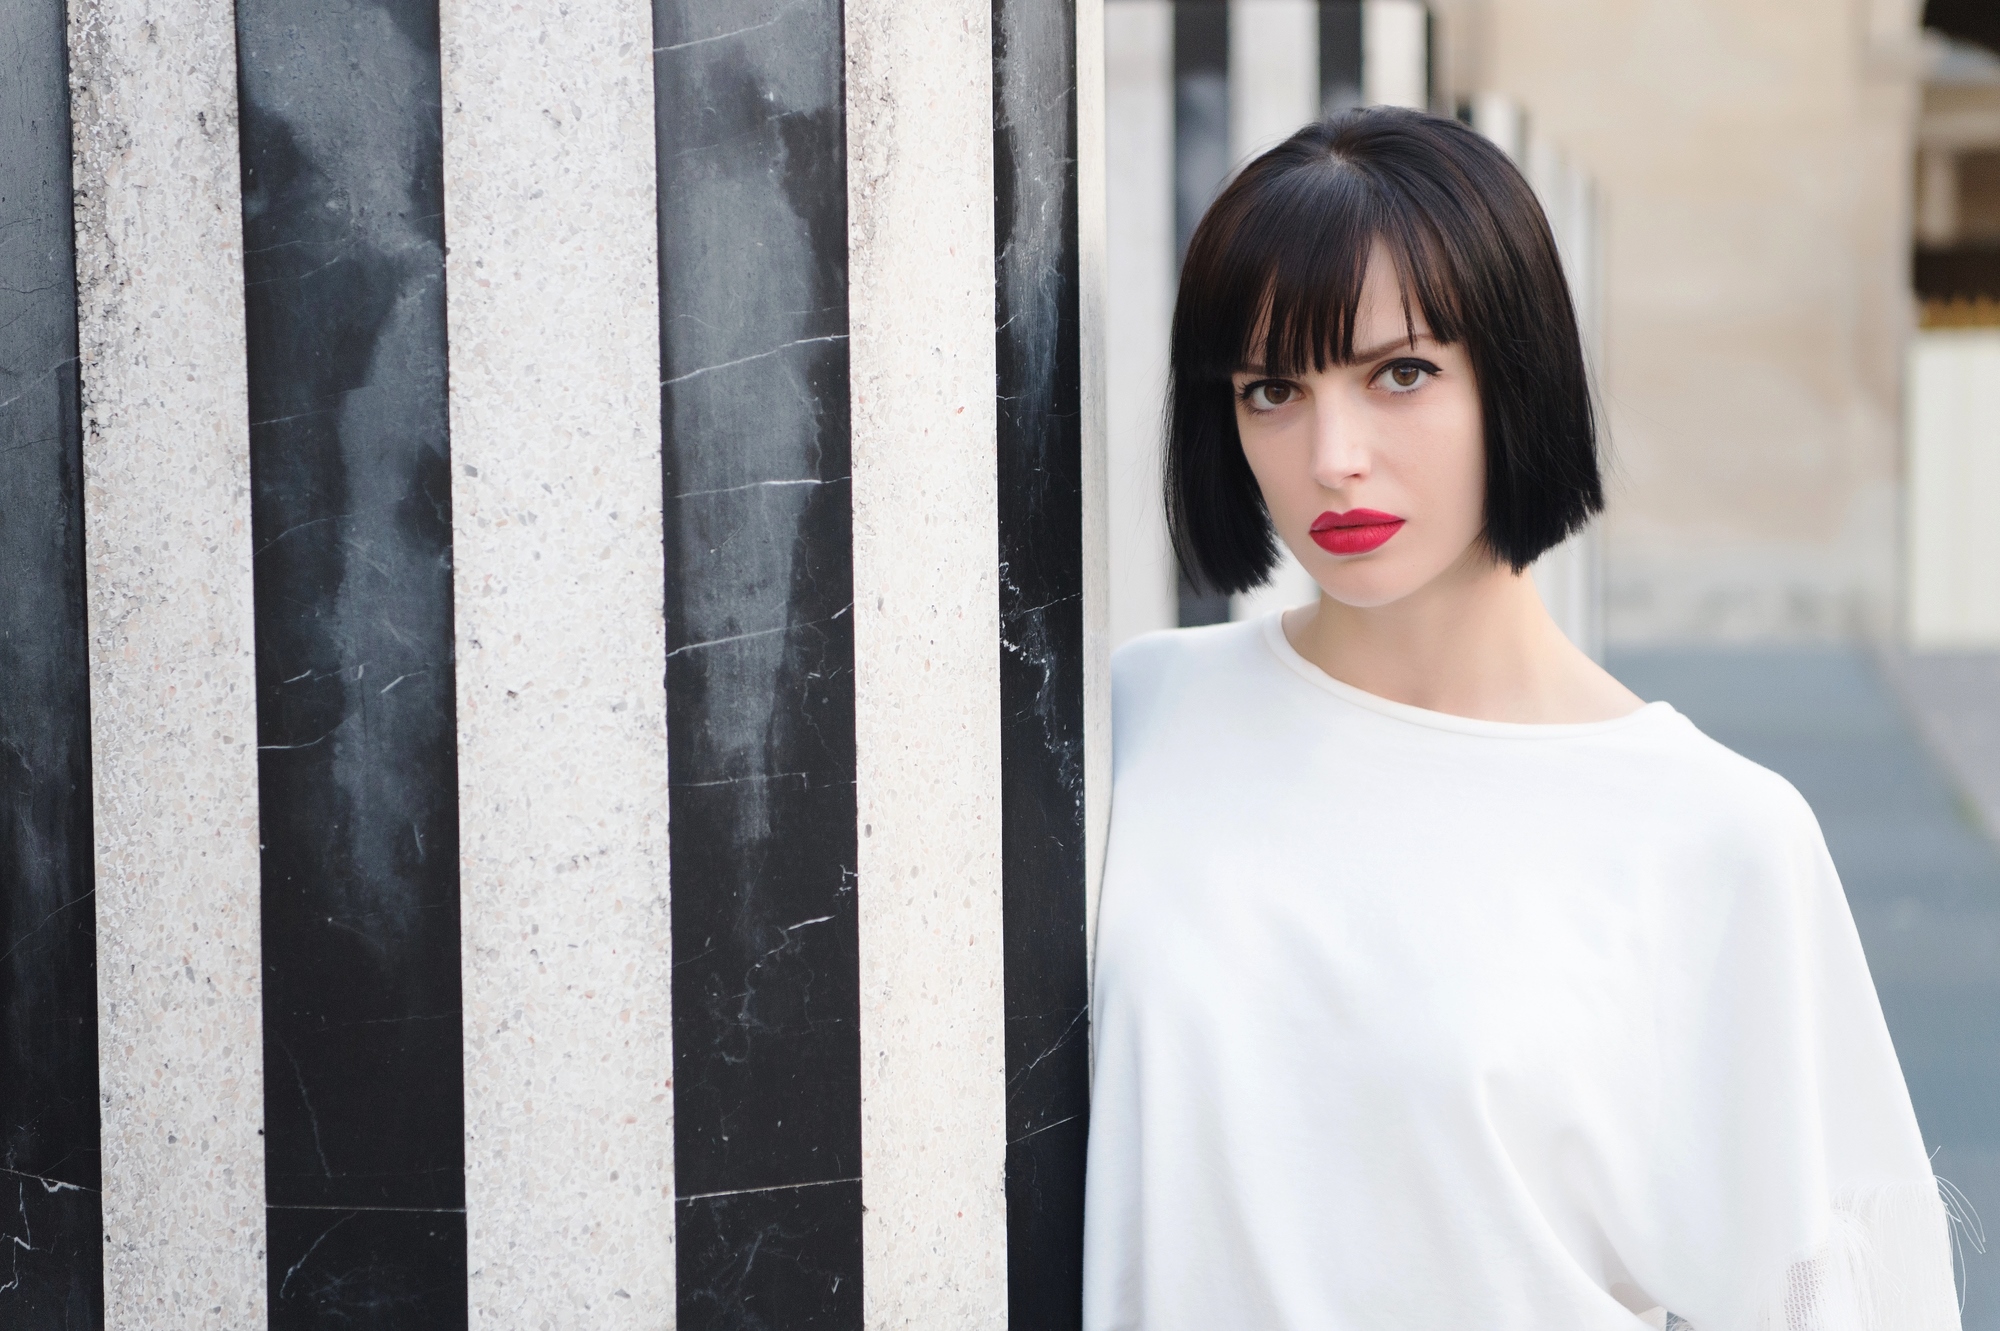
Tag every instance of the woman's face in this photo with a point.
(1374, 472)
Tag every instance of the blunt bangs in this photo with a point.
(1280, 259)
(1293, 266)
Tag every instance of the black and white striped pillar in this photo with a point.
(556, 730)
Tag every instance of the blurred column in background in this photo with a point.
(1396, 53)
(1570, 577)
(1203, 159)
(1952, 398)
(1143, 257)
(1197, 88)
(1274, 87)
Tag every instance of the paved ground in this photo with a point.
(1901, 761)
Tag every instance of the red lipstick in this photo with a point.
(1355, 532)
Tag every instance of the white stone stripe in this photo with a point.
(555, 437)
(172, 684)
(927, 648)
(1093, 277)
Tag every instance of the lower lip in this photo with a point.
(1356, 540)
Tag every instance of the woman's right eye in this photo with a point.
(1269, 394)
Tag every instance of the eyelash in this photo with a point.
(1424, 366)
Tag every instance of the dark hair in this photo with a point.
(1290, 237)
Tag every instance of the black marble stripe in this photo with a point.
(358, 788)
(760, 661)
(1201, 164)
(1040, 455)
(1339, 55)
(51, 1226)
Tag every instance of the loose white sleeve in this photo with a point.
(1786, 1186)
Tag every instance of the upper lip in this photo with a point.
(1353, 517)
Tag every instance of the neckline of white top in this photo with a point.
(1274, 636)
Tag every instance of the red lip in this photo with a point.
(1355, 532)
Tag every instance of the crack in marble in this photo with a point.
(299, 1076)
(745, 360)
(761, 485)
(48, 1184)
(720, 36)
(20, 942)
(20, 1244)
(1016, 1141)
(287, 1283)
(1042, 1057)
(761, 633)
(776, 1187)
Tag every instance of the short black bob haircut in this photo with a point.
(1291, 235)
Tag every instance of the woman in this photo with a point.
(1441, 983)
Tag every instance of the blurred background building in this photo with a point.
(1781, 223)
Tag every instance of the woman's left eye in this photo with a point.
(1405, 376)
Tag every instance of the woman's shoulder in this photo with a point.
(1171, 673)
(1735, 815)
(1169, 660)
(1690, 765)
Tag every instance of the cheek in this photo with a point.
(1270, 459)
(1456, 465)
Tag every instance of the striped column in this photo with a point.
(51, 1231)
(760, 662)
(1044, 482)
(173, 717)
(549, 193)
(927, 677)
(344, 304)
(564, 552)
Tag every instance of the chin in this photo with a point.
(1369, 583)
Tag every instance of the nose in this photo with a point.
(1340, 454)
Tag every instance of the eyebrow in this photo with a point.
(1409, 340)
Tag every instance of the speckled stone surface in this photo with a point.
(920, 227)
(167, 540)
(1094, 284)
(552, 282)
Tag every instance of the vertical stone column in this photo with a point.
(1274, 88)
(1201, 165)
(760, 661)
(1041, 466)
(444, 653)
(172, 685)
(1139, 161)
(1093, 303)
(1339, 55)
(1395, 53)
(927, 662)
(562, 768)
(351, 514)
(51, 1228)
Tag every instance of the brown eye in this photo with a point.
(1406, 376)
(1269, 394)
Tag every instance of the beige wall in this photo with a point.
(1754, 165)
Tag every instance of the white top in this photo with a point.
(1408, 1021)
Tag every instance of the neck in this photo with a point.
(1475, 641)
